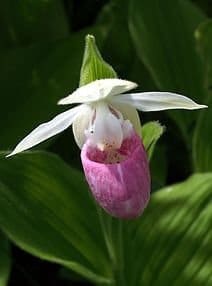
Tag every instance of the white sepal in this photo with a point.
(156, 101)
(48, 129)
(98, 90)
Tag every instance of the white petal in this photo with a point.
(98, 90)
(106, 131)
(155, 101)
(80, 124)
(48, 129)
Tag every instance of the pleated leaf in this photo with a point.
(45, 209)
(171, 243)
(202, 152)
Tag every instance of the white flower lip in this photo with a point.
(106, 91)
(107, 130)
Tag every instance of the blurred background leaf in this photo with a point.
(163, 34)
(24, 22)
(115, 22)
(5, 259)
(202, 152)
(113, 18)
(33, 79)
(159, 167)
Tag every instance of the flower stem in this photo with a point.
(119, 267)
(107, 233)
(114, 244)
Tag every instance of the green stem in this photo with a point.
(114, 244)
(107, 233)
(119, 267)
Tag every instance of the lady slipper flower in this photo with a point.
(106, 126)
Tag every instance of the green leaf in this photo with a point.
(171, 243)
(93, 65)
(45, 209)
(150, 133)
(24, 22)
(163, 34)
(5, 260)
(202, 153)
